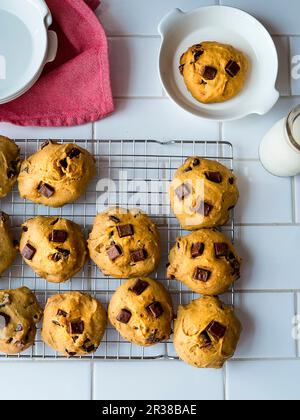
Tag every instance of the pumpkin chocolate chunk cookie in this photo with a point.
(8, 247)
(9, 165)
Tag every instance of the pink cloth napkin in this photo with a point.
(75, 88)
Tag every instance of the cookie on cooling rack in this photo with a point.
(74, 323)
(141, 311)
(57, 174)
(9, 165)
(8, 247)
(125, 243)
(19, 314)
(53, 247)
(205, 261)
(202, 193)
(206, 332)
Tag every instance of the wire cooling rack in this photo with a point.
(130, 173)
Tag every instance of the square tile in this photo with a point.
(278, 16)
(263, 380)
(247, 133)
(138, 17)
(295, 64)
(134, 67)
(264, 198)
(267, 325)
(283, 49)
(270, 257)
(154, 119)
(45, 380)
(172, 379)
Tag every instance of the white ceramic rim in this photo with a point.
(273, 94)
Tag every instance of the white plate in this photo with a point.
(26, 45)
(180, 30)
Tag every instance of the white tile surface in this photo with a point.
(121, 379)
(297, 198)
(295, 64)
(283, 49)
(141, 17)
(280, 17)
(269, 253)
(267, 325)
(263, 380)
(134, 66)
(264, 198)
(45, 381)
(247, 133)
(155, 119)
(79, 132)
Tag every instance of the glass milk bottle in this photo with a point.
(280, 148)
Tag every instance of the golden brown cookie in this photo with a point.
(53, 247)
(9, 165)
(74, 323)
(206, 333)
(57, 174)
(141, 311)
(202, 193)
(124, 243)
(8, 247)
(214, 72)
(205, 261)
(19, 314)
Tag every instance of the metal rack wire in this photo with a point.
(136, 166)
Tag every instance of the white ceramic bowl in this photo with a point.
(181, 30)
(26, 45)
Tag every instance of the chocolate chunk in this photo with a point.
(214, 177)
(46, 190)
(139, 287)
(155, 309)
(204, 208)
(221, 249)
(19, 328)
(114, 219)
(216, 330)
(4, 300)
(124, 316)
(138, 255)
(75, 338)
(4, 320)
(25, 229)
(205, 338)
(197, 249)
(65, 252)
(71, 353)
(236, 267)
(196, 162)
(231, 256)
(125, 230)
(231, 181)
(63, 163)
(209, 73)
(54, 222)
(60, 312)
(114, 252)
(198, 54)
(28, 252)
(56, 257)
(76, 327)
(188, 169)
(201, 274)
(74, 152)
(181, 68)
(153, 338)
(183, 191)
(232, 68)
(88, 346)
(59, 236)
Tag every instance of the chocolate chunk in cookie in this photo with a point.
(76, 327)
(221, 249)
(114, 252)
(114, 219)
(216, 330)
(232, 68)
(209, 73)
(124, 316)
(197, 249)
(215, 177)
(125, 230)
(28, 252)
(155, 309)
(59, 236)
(73, 153)
(139, 287)
(138, 255)
(62, 313)
(46, 190)
(201, 274)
